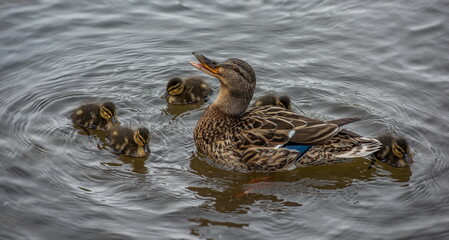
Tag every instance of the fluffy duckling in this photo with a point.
(394, 151)
(274, 100)
(95, 116)
(186, 91)
(133, 143)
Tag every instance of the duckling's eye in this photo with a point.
(398, 151)
(237, 69)
(105, 113)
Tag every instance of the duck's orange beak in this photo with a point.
(206, 65)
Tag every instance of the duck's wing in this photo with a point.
(343, 121)
(274, 127)
(268, 158)
(272, 138)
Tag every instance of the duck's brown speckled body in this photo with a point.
(266, 138)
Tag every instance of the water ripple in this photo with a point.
(383, 62)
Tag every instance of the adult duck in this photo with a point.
(266, 138)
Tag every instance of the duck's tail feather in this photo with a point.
(365, 147)
(343, 121)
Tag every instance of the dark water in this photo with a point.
(385, 62)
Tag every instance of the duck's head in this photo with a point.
(237, 80)
(142, 138)
(174, 87)
(107, 111)
(395, 151)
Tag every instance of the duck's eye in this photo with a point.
(236, 69)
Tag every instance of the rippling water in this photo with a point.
(384, 62)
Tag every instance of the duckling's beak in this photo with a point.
(408, 158)
(165, 95)
(146, 148)
(114, 120)
(206, 65)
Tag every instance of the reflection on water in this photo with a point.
(229, 192)
(241, 190)
(205, 222)
(138, 164)
(178, 110)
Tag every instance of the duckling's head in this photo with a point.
(274, 100)
(174, 87)
(237, 80)
(107, 111)
(395, 151)
(142, 137)
(285, 102)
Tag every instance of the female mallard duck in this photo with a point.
(282, 101)
(133, 143)
(186, 91)
(394, 151)
(95, 116)
(266, 138)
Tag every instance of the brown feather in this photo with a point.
(343, 121)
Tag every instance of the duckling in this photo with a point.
(133, 143)
(187, 90)
(282, 101)
(395, 151)
(95, 116)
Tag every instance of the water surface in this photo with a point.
(384, 62)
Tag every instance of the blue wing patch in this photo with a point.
(300, 148)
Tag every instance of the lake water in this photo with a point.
(385, 62)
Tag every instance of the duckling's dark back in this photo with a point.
(121, 135)
(386, 141)
(274, 100)
(88, 116)
(121, 138)
(122, 141)
(195, 90)
(196, 87)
